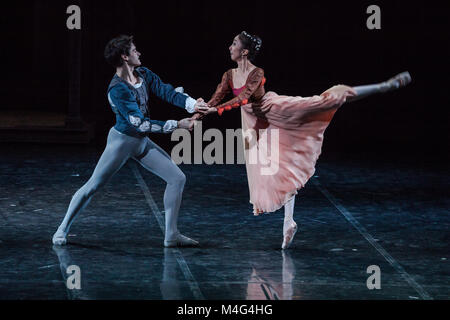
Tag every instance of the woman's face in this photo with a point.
(236, 49)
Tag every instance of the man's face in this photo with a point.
(133, 58)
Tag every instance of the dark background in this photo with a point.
(308, 46)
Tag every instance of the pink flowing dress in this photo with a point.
(295, 124)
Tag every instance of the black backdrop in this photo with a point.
(308, 46)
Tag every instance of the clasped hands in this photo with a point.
(201, 109)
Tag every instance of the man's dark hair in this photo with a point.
(116, 47)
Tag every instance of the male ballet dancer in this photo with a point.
(128, 95)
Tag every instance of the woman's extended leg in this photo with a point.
(157, 161)
(289, 226)
(400, 80)
(113, 158)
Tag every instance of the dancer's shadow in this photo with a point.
(66, 261)
(170, 286)
(262, 283)
(264, 286)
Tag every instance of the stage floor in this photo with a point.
(357, 211)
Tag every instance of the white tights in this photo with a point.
(119, 149)
(289, 211)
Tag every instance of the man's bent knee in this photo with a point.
(180, 179)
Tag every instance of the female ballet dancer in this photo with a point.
(300, 122)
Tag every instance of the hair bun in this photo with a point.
(252, 43)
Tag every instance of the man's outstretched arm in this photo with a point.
(167, 93)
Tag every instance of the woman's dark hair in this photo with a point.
(252, 43)
(116, 47)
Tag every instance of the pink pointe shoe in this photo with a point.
(289, 234)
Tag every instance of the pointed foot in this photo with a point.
(399, 81)
(289, 234)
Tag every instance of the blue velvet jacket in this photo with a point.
(124, 102)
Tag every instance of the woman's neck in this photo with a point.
(244, 65)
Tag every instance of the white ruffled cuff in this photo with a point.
(170, 126)
(190, 102)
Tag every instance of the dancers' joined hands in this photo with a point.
(201, 107)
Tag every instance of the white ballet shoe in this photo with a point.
(288, 235)
(59, 238)
(180, 241)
